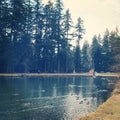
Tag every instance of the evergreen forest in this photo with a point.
(38, 38)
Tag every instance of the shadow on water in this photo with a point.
(51, 98)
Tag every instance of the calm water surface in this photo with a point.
(50, 98)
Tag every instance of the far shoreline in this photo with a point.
(59, 74)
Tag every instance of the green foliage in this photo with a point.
(106, 56)
(86, 58)
(115, 50)
(77, 59)
(79, 30)
(35, 37)
(106, 52)
(96, 54)
(77, 55)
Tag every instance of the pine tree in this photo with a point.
(78, 33)
(49, 42)
(58, 34)
(66, 27)
(5, 41)
(115, 51)
(85, 58)
(37, 30)
(77, 59)
(36, 37)
(96, 54)
(12, 24)
(106, 52)
(79, 30)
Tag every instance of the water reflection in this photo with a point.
(50, 98)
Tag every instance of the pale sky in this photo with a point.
(96, 14)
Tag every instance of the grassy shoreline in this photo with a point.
(110, 110)
(57, 74)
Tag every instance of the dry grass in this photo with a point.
(110, 110)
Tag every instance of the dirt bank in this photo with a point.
(110, 110)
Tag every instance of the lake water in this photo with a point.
(50, 98)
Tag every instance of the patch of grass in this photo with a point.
(110, 110)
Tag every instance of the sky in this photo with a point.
(98, 15)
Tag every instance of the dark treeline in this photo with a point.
(37, 38)
(105, 52)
